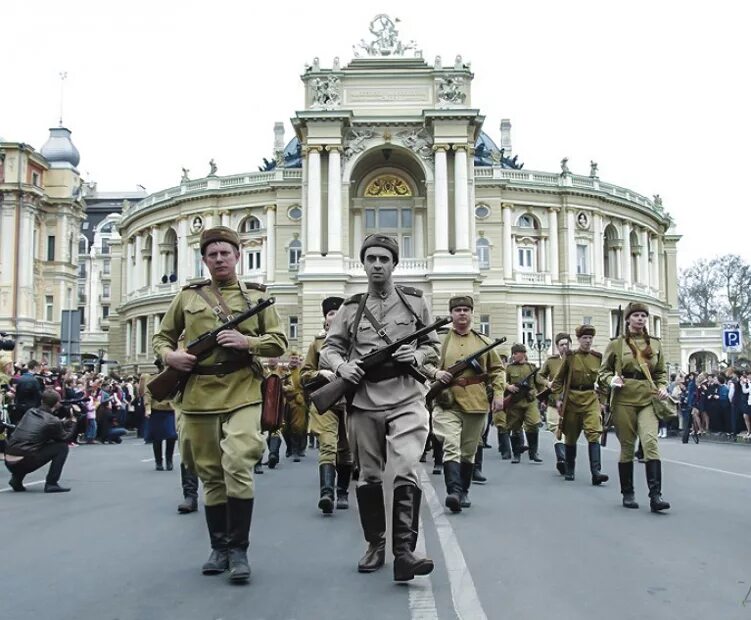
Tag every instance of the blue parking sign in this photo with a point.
(732, 341)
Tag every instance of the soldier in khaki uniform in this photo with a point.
(576, 380)
(387, 416)
(221, 403)
(334, 456)
(546, 375)
(631, 401)
(523, 409)
(461, 409)
(296, 414)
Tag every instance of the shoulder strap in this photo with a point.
(220, 308)
(645, 369)
(356, 323)
(399, 292)
(380, 328)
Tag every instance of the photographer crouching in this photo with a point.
(40, 438)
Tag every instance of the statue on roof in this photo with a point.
(212, 168)
(185, 178)
(564, 167)
(386, 42)
(593, 169)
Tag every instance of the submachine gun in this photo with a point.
(525, 385)
(327, 396)
(171, 381)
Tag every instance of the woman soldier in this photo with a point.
(632, 364)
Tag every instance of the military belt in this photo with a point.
(390, 370)
(633, 375)
(221, 368)
(465, 381)
(582, 388)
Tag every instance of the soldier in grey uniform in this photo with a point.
(387, 416)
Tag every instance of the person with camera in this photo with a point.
(28, 389)
(40, 438)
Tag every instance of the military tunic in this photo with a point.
(548, 372)
(523, 407)
(577, 379)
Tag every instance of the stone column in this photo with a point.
(184, 261)
(138, 267)
(626, 252)
(461, 207)
(519, 335)
(419, 233)
(356, 232)
(314, 200)
(335, 201)
(654, 276)
(508, 265)
(549, 326)
(659, 264)
(441, 201)
(555, 271)
(224, 218)
(644, 240)
(570, 245)
(270, 243)
(598, 259)
(155, 277)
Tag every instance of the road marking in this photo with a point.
(463, 594)
(421, 598)
(694, 466)
(26, 484)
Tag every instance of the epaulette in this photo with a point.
(555, 356)
(256, 286)
(408, 290)
(596, 354)
(321, 336)
(198, 284)
(355, 299)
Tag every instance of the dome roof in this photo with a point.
(291, 157)
(59, 149)
(487, 153)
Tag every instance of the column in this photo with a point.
(335, 201)
(555, 273)
(549, 326)
(270, 243)
(508, 265)
(599, 259)
(138, 267)
(626, 252)
(519, 335)
(314, 200)
(356, 232)
(644, 258)
(419, 233)
(184, 258)
(62, 240)
(461, 207)
(441, 201)
(155, 277)
(659, 264)
(570, 245)
(224, 218)
(654, 276)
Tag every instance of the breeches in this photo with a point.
(500, 421)
(460, 433)
(524, 413)
(223, 449)
(332, 437)
(587, 420)
(632, 421)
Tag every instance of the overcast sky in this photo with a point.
(656, 92)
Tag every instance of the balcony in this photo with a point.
(584, 278)
(406, 266)
(532, 277)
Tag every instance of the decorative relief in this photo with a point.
(582, 220)
(196, 225)
(419, 141)
(354, 141)
(326, 92)
(386, 42)
(387, 185)
(450, 91)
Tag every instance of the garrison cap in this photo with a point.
(518, 348)
(562, 336)
(461, 300)
(380, 241)
(585, 330)
(636, 306)
(331, 303)
(219, 233)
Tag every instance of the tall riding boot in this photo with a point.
(500, 439)
(486, 432)
(343, 475)
(294, 446)
(274, 444)
(190, 490)
(560, 457)
(626, 475)
(156, 447)
(288, 443)
(239, 515)
(595, 464)
(216, 520)
(424, 455)
(311, 440)
(258, 468)
(326, 474)
(373, 521)
(477, 476)
(302, 444)
(453, 477)
(533, 438)
(406, 511)
(437, 455)
(570, 462)
(466, 472)
(516, 449)
(654, 482)
(504, 445)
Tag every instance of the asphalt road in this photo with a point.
(532, 546)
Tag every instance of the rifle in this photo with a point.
(327, 396)
(171, 381)
(607, 416)
(523, 385)
(468, 362)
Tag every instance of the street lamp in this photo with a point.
(539, 345)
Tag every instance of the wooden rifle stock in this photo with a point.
(171, 381)
(327, 396)
(523, 386)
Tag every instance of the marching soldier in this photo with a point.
(461, 409)
(387, 416)
(334, 456)
(632, 365)
(523, 408)
(297, 409)
(548, 372)
(221, 403)
(274, 439)
(577, 381)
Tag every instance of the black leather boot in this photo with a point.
(516, 450)
(477, 476)
(326, 474)
(466, 473)
(654, 482)
(190, 491)
(294, 447)
(533, 439)
(239, 515)
(258, 468)
(595, 464)
(570, 462)
(406, 511)
(343, 476)
(216, 520)
(274, 444)
(626, 475)
(504, 445)
(437, 455)
(560, 457)
(373, 521)
(453, 478)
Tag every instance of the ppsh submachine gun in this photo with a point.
(525, 385)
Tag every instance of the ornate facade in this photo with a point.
(393, 144)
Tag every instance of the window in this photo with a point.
(51, 247)
(657, 330)
(141, 334)
(35, 179)
(85, 226)
(254, 261)
(529, 324)
(128, 337)
(105, 312)
(526, 258)
(613, 323)
(582, 259)
(105, 246)
(250, 224)
(81, 270)
(107, 228)
(482, 211)
(294, 213)
(483, 253)
(197, 263)
(82, 314)
(485, 324)
(526, 221)
(406, 250)
(106, 266)
(396, 222)
(106, 291)
(48, 307)
(293, 327)
(82, 292)
(295, 253)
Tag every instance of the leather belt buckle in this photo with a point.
(382, 333)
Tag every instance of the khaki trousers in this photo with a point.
(223, 449)
(332, 437)
(631, 421)
(460, 433)
(500, 421)
(587, 420)
(525, 412)
(397, 435)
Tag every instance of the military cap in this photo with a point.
(585, 330)
(562, 336)
(219, 233)
(636, 306)
(331, 303)
(518, 348)
(461, 300)
(380, 241)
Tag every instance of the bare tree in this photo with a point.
(699, 287)
(735, 275)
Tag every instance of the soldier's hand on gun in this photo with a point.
(512, 388)
(232, 339)
(326, 374)
(444, 377)
(181, 360)
(405, 354)
(662, 393)
(351, 371)
(617, 381)
(497, 404)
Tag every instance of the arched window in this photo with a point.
(146, 256)
(610, 252)
(295, 253)
(83, 245)
(634, 258)
(170, 257)
(526, 221)
(107, 228)
(483, 252)
(250, 224)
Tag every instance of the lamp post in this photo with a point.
(539, 345)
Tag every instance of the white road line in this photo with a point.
(463, 594)
(26, 484)
(421, 599)
(694, 466)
